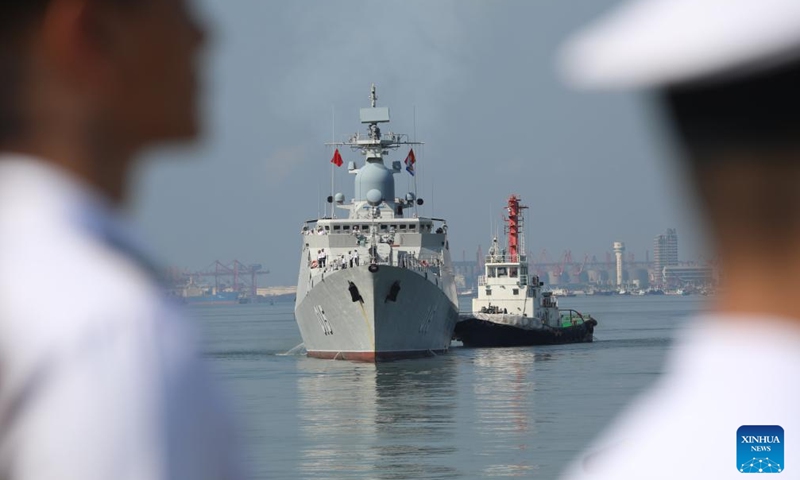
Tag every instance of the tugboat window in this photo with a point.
(513, 273)
(515, 291)
(501, 272)
(492, 272)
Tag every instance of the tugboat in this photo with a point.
(512, 310)
(379, 283)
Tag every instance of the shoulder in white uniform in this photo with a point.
(99, 377)
(745, 369)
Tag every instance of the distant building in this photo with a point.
(467, 273)
(665, 253)
(682, 276)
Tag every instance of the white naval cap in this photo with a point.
(651, 43)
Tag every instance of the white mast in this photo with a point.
(333, 167)
(374, 183)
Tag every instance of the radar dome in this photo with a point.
(339, 197)
(375, 176)
(374, 197)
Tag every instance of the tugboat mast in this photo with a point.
(515, 222)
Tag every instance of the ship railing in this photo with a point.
(365, 233)
(385, 228)
(506, 259)
(423, 264)
(361, 138)
(431, 264)
(569, 317)
(522, 280)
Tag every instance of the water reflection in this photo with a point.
(393, 420)
(504, 410)
(477, 413)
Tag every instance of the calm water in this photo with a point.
(473, 413)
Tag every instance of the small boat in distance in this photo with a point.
(563, 292)
(511, 309)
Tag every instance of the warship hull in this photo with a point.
(376, 313)
(476, 333)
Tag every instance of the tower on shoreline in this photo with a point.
(619, 251)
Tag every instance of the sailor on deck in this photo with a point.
(726, 73)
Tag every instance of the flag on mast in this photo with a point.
(337, 158)
(411, 159)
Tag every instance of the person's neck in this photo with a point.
(760, 284)
(99, 165)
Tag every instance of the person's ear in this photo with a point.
(78, 38)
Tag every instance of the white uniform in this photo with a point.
(646, 43)
(99, 377)
(725, 373)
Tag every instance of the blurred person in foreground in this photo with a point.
(726, 74)
(99, 377)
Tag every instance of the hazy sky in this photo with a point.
(489, 104)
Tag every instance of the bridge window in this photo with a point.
(513, 273)
(501, 272)
(402, 227)
(336, 227)
(346, 227)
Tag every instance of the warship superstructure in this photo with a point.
(512, 309)
(377, 284)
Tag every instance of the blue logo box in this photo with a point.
(759, 449)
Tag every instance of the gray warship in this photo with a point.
(376, 284)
